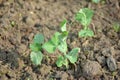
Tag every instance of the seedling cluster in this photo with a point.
(58, 41)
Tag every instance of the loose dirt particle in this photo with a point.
(44, 70)
(101, 60)
(118, 65)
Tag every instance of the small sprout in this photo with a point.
(84, 16)
(13, 23)
(116, 27)
(96, 1)
(114, 73)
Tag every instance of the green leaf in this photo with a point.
(65, 62)
(63, 36)
(36, 57)
(73, 55)
(52, 44)
(86, 33)
(63, 25)
(49, 47)
(84, 16)
(116, 27)
(35, 47)
(96, 1)
(63, 47)
(55, 38)
(39, 38)
(61, 61)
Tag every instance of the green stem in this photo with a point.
(85, 26)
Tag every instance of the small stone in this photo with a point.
(106, 52)
(111, 63)
(82, 56)
(118, 65)
(29, 21)
(31, 36)
(101, 60)
(62, 75)
(22, 48)
(112, 50)
(119, 44)
(92, 69)
(90, 56)
(44, 70)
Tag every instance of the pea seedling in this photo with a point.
(84, 16)
(36, 47)
(58, 41)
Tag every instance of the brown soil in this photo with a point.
(44, 16)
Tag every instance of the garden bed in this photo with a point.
(20, 20)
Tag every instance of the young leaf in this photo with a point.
(39, 38)
(63, 25)
(86, 33)
(73, 55)
(35, 47)
(63, 36)
(116, 27)
(84, 16)
(52, 44)
(61, 61)
(63, 47)
(65, 62)
(55, 38)
(49, 47)
(36, 57)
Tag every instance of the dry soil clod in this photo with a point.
(91, 69)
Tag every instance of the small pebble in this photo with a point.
(101, 60)
(106, 52)
(118, 65)
(111, 63)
